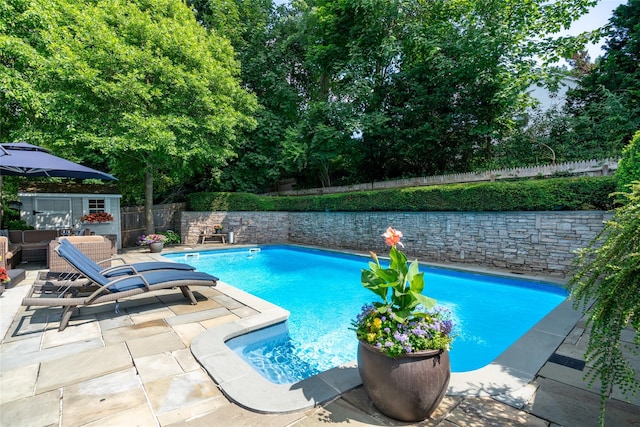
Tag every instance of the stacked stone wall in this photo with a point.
(526, 242)
(248, 227)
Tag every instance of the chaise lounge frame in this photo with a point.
(116, 288)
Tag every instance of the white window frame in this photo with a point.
(87, 210)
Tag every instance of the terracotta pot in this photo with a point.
(407, 388)
(156, 247)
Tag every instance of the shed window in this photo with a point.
(96, 206)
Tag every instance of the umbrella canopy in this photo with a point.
(24, 159)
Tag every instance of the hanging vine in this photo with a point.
(606, 285)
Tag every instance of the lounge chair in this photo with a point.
(59, 281)
(117, 287)
(117, 270)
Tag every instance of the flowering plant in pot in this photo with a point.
(404, 335)
(151, 238)
(97, 217)
(154, 241)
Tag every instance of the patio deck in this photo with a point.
(136, 367)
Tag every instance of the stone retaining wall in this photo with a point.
(527, 242)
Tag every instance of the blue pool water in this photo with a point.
(322, 291)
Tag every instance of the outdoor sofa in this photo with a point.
(17, 246)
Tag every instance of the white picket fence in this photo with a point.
(579, 168)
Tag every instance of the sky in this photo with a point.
(597, 17)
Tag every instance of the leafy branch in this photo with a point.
(606, 284)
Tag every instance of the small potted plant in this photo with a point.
(218, 228)
(154, 241)
(404, 339)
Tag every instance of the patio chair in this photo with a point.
(58, 281)
(117, 270)
(117, 287)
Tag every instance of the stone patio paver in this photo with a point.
(43, 409)
(170, 395)
(188, 332)
(102, 397)
(162, 312)
(338, 412)
(186, 360)
(198, 316)
(17, 359)
(476, 411)
(189, 411)
(146, 346)
(108, 321)
(78, 333)
(83, 366)
(18, 383)
(140, 416)
(156, 327)
(231, 415)
(212, 323)
(176, 303)
(566, 405)
(19, 349)
(151, 368)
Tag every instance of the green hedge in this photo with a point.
(629, 165)
(585, 193)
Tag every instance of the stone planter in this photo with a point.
(156, 247)
(407, 388)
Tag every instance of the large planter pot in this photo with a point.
(156, 247)
(407, 388)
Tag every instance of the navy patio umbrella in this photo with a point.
(24, 159)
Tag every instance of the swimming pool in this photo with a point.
(490, 312)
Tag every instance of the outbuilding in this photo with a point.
(80, 209)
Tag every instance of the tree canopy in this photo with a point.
(388, 88)
(137, 86)
(234, 95)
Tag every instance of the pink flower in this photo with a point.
(392, 237)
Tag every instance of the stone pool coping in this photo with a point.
(506, 379)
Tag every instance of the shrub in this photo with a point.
(629, 166)
(171, 237)
(17, 224)
(584, 193)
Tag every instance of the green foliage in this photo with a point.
(586, 193)
(405, 315)
(228, 202)
(361, 90)
(21, 103)
(17, 224)
(171, 237)
(399, 285)
(604, 109)
(605, 285)
(135, 87)
(270, 59)
(629, 165)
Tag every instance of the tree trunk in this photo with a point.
(148, 201)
